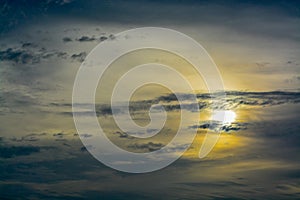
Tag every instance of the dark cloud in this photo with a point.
(233, 100)
(58, 54)
(79, 57)
(27, 56)
(67, 39)
(83, 149)
(93, 38)
(122, 135)
(82, 113)
(62, 55)
(111, 37)
(86, 39)
(146, 104)
(150, 146)
(58, 134)
(237, 98)
(28, 45)
(60, 104)
(19, 56)
(101, 109)
(218, 126)
(192, 107)
(102, 38)
(104, 110)
(86, 148)
(86, 135)
(13, 151)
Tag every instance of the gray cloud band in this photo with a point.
(93, 68)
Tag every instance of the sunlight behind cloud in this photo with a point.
(224, 116)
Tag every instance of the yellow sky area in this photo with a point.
(244, 76)
(133, 59)
(228, 145)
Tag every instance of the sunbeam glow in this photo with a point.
(224, 116)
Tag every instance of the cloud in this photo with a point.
(218, 126)
(67, 39)
(150, 146)
(233, 100)
(79, 57)
(186, 106)
(122, 135)
(102, 38)
(293, 79)
(83, 149)
(237, 98)
(31, 137)
(26, 56)
(35, 137)
(104, 110)
(19, 56)
(86, 148)
(59, 135)
(86, 135)
(28, 45)
(86, 39)
(111, 37)
(13, 151)
(16, 101)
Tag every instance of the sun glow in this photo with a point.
(224, 116)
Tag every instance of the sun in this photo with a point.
(224, 116)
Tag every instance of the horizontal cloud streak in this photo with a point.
(219, 126)
(234, 99)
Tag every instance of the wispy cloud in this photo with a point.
(234, 99)
(26, 56)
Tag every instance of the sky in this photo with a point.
(254, 44)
